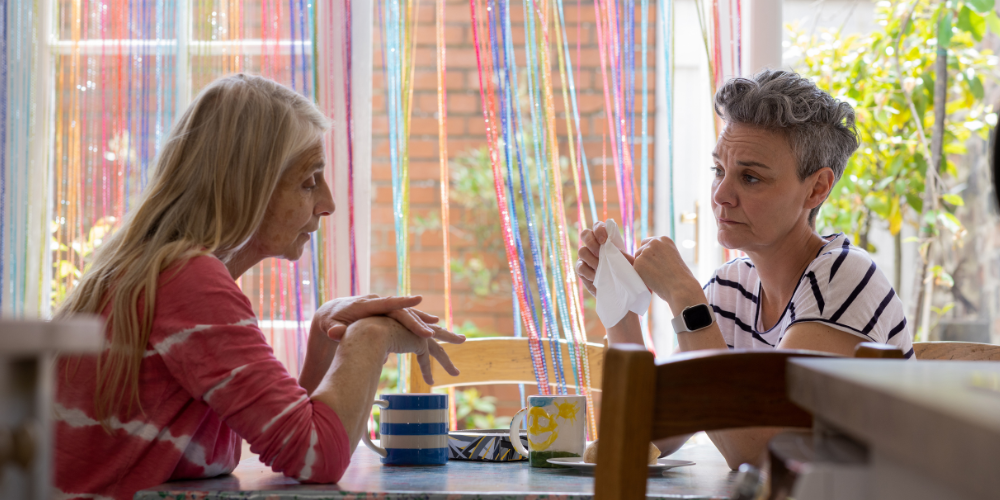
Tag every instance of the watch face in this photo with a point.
(697, 317)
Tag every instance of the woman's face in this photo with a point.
(757, 197)
(301, 197)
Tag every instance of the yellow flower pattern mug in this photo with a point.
(556, 428)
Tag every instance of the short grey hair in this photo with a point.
(820, 129)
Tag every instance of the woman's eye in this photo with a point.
(717, 171)
(749, 179)
(310, 184)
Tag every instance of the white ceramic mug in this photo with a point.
(556, 428)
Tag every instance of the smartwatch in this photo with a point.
(693, 318)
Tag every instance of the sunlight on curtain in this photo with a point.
(124, 70)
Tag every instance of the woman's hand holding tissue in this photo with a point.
(657, 262)
(586, 266)
(617, 287)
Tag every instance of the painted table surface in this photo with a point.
(936, 419)
(367, 478)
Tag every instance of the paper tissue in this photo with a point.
(619, 287)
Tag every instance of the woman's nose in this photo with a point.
(723, 192)
(325, 206)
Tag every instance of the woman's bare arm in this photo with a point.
(350, 384)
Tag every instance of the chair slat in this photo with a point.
(878, 351)
(965, 351)
(503, 360)
(712, 390)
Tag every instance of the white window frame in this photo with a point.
(42, 203)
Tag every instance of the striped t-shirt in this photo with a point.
(841, 288)
(208, 378)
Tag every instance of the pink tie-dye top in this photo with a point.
(208, 379)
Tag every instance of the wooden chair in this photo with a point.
(878, 351)
(502, 360)
(965, 351)
(698, 391)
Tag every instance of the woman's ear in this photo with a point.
(821, 183)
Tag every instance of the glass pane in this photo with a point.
(92, 20)
(119, 87)
(265, 19)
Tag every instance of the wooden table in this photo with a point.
(931, 428)
(710, 479)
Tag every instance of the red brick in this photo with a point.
(427, 34)
(476, 127)
(432, 238)
(380, 125)
(383, 258)
(424, 195)
(423, 127)
(463, 103)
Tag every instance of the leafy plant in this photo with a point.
(470, 330)
(474, 219)
(889, 77)
(475, 411)
(73, 259)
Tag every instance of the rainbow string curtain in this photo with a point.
(89, 91)
(23, 157)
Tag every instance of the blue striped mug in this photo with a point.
(414, 429)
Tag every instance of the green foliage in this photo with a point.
(72, 260)
(888, 77)
(475, 411)
(475, 220)
(470, 330)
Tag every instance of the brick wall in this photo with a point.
(466, 130)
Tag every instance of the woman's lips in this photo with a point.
(726, 222)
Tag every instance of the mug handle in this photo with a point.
(365, 436)
(515, 432)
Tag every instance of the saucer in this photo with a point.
(661, 465)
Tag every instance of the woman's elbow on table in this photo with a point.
(317, 452)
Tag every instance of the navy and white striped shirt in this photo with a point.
(842, 288)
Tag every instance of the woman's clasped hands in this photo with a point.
(657, 261)
(406, 330)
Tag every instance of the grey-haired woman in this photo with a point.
(784, 145)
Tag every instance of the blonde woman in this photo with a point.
(186, 373)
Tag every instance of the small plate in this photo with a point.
(661, 465)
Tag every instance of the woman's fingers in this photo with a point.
(425, 368)
(426, 317)
(585, 271)
(601, 233)
(586, 274)
(629, 258)
(589, 240)
(336, 331)
(442, 357)
(590, 258)
(377, 306)
(446, 336)
(411, 322)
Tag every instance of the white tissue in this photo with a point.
(619, 287)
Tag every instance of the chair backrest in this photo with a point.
(698, 391)
(964, 351)
(877, 350)
(503, 360)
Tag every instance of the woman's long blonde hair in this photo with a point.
(208, 195)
